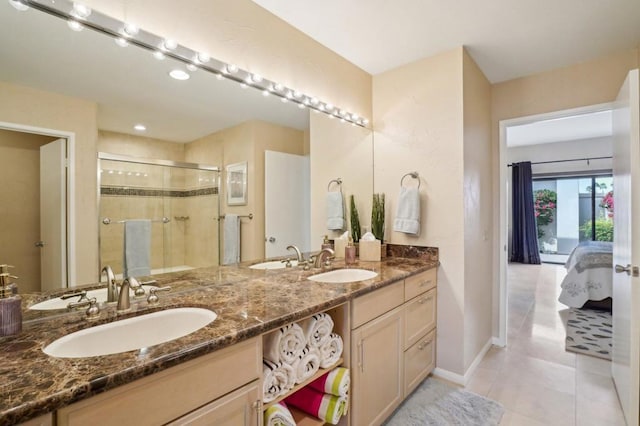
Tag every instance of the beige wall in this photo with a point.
(478, 215)
(139, 146)
(418, 111)
(32, 107)
(339, 150)
(579, 85)
(20, 210)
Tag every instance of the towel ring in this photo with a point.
(338, 181)
(414, 175)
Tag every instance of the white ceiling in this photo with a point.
(577, 127)
(507, 38)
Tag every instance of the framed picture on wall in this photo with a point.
(237, 184)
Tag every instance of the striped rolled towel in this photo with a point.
(328, 408)
(331, 351)
(278, 378)
(284, 345)
(335, 382)
(278, 415)
(317, 329)
(307, 364)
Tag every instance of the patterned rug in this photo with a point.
(589, 332)
(435, 403)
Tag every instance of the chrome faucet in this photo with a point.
(124, 303)
(112, 284)
(322, 254)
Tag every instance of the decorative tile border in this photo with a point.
(142, 192)
(415, 252)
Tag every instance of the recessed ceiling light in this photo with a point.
(74, 25)
(179, 74)
(158, 55)
(122, 42)
(140, 127)
(192, 67)
(19, 5)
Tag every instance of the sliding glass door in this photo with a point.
(570, 210)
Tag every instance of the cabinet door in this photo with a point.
(377, 369)
(240, 407)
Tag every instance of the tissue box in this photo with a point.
(370, 250)
(338, 248)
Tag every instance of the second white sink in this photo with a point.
(57, 303)
(131, 333)
(343, 276)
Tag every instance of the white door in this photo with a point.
(286, 203)
(626, 247)
(53, 215)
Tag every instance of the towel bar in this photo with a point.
(414, 175)
(250, 216)
(107, 221)
(338, 181)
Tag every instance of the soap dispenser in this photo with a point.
(350, 252)
(10, 304)
(326, 243)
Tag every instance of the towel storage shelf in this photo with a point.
(304, 419)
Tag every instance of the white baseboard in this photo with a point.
(459, 379)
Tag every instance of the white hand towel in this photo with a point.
(137, 248)
(317, 329)
(279, 415)
(331, 351)
(307, 364)
(278, 378)
(231, 239)
(284, 345)
(408, 214)
(335, 211)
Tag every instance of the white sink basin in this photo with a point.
(57, 303)
(343, 276)
(131, 333)
(274, 264)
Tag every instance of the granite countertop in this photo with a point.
(248, 303)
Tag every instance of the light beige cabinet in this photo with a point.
(171, 394)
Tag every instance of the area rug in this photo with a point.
(435, 403)
(589, 332)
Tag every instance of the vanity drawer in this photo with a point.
(169, 394)
(419, 361)
(418, 284)
(419, 317)
(372, 305)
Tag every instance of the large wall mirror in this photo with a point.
(201, 121)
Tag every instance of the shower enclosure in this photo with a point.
(180, 200)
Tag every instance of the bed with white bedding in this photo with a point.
(589, 274)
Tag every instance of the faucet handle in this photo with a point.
(93, 311)
(327, 260)
(138, 291)
(287, 262)
(153, 297)
(82, 294)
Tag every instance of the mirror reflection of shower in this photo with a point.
(179, 201)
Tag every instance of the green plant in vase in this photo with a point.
(355, 220)
(377, 217)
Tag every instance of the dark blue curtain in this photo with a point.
(524, 239)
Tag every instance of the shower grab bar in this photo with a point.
(250, 216)
(107, 221)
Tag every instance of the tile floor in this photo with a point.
(534, 378)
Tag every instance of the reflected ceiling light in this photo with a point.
(130, 30)
(121, 41)
(110, 172)
(256, 78)
(354, 117)
(365, 121)
(321, 107)
(265, 93)
(290, 94)
(343, 113)
(192, 67)
(301, 106)
(243, 85)
(80, 11)
(158, 55)
(284, 100)
(169, 44)
(297, 94)
(314, 101)
(328, 106)
(278, 87)
(140, 127)
(19, 5)
(230, 69)
(203, 58)
(74, 25)
(179, 74)
(219, 76)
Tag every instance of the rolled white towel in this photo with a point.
(307, 365)
(284, 345)
(317, 329)
(278, 415)
(278, 378)
(331, 350)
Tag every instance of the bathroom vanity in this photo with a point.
(213, 375)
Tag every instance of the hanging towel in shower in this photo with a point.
(408, 213)
(231, 239)
(137, 248)
(335, 211)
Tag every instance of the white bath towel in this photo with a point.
(331, 350)
(317, 329)
(284, 345)
(279, 415)
(408, 214)
(231, 239)
(335, 211)
(278, 379)
(137, 248)
(307, 364)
